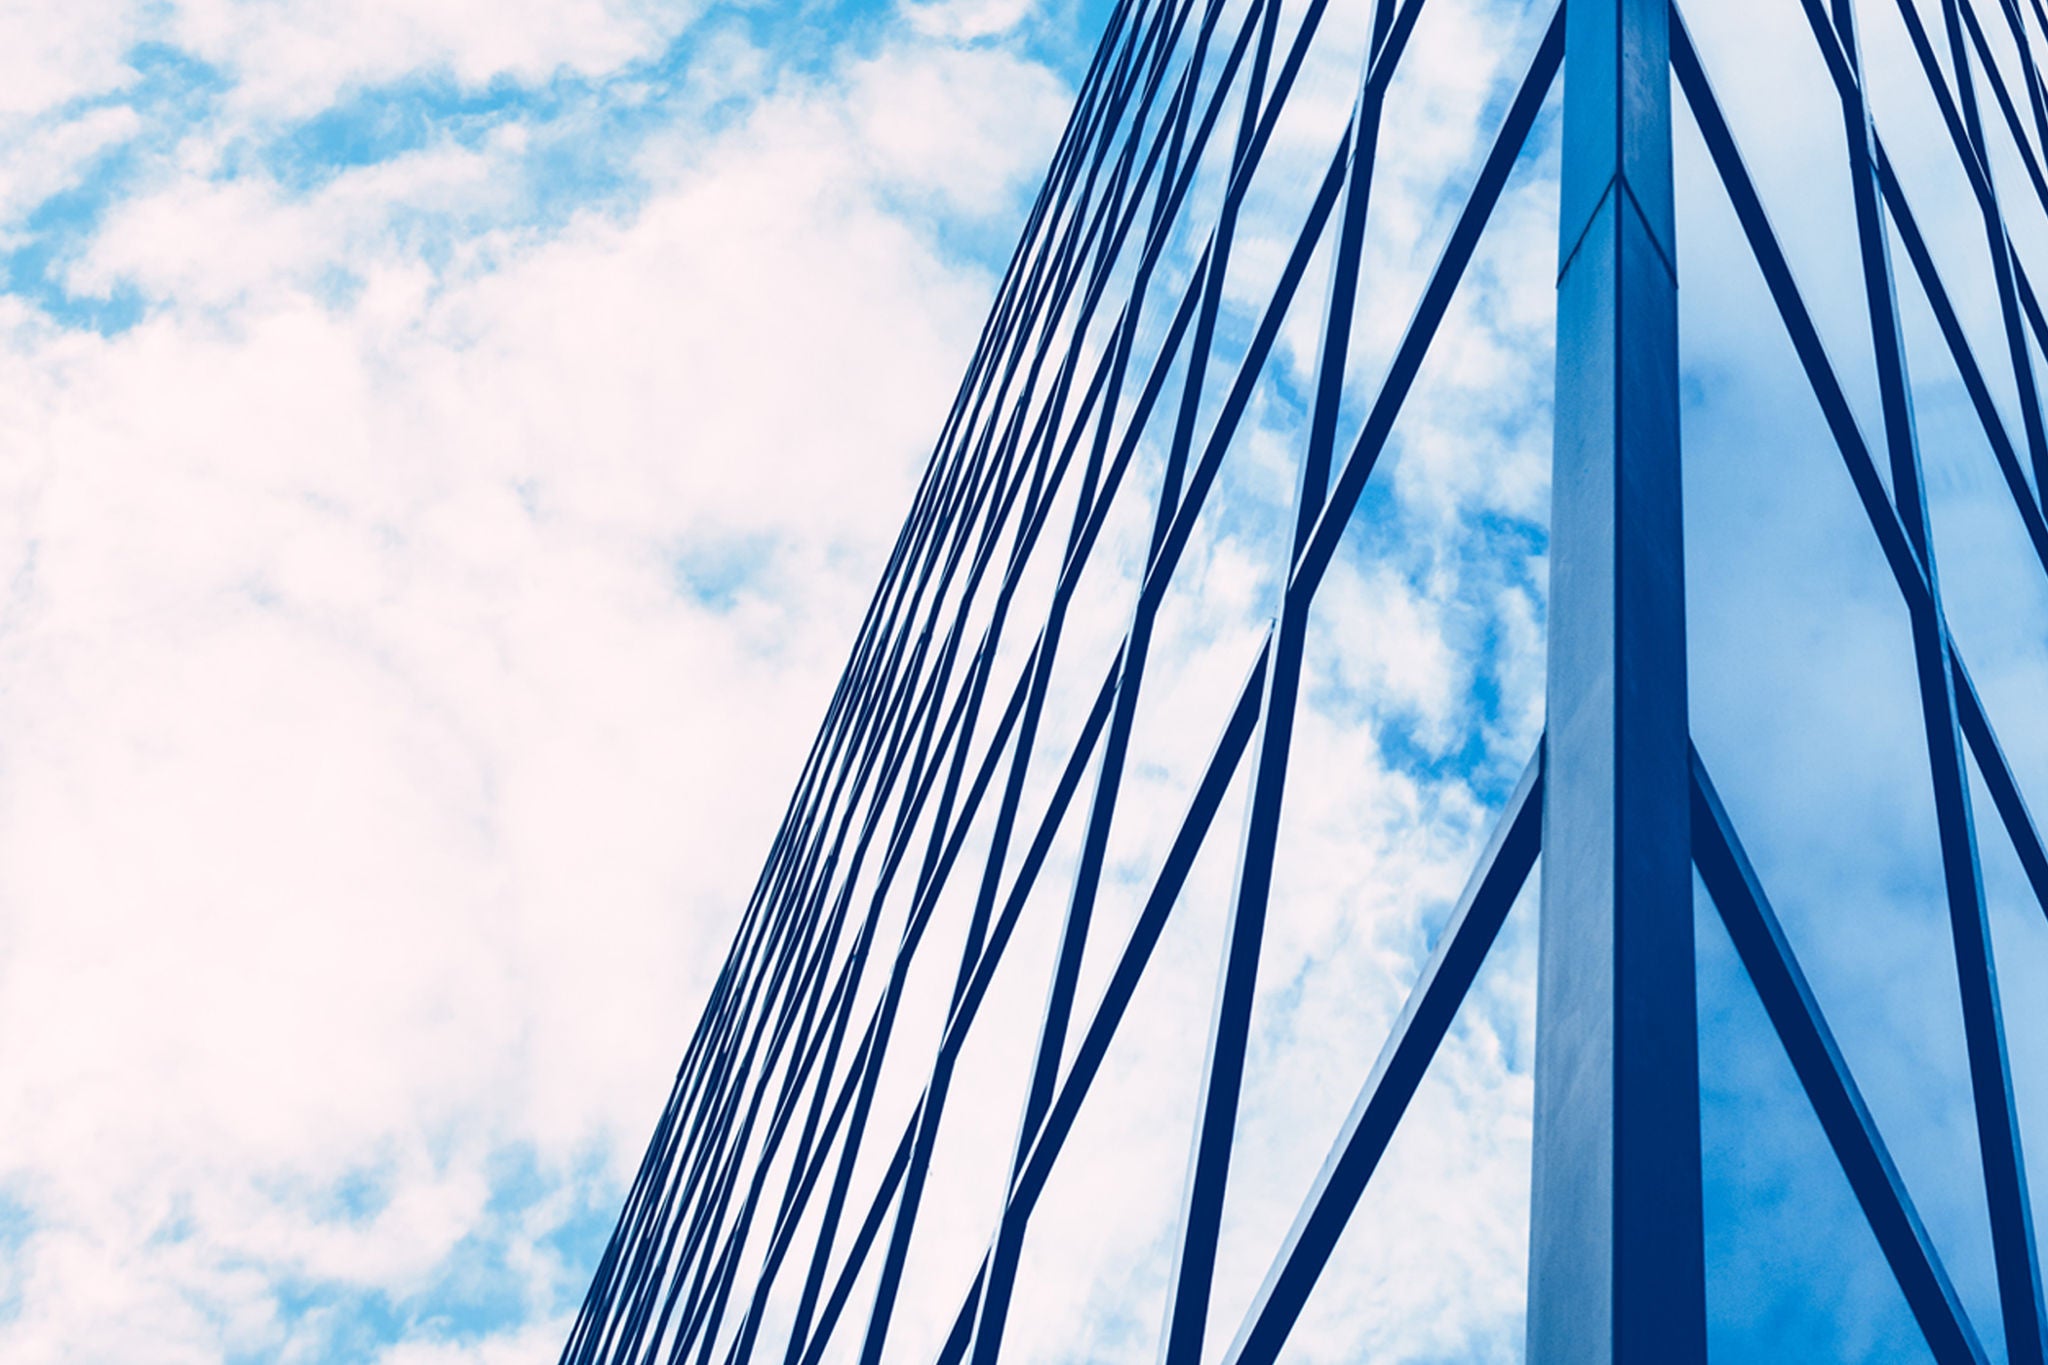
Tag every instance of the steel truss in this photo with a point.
(1103, 342)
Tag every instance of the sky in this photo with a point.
(445, 451)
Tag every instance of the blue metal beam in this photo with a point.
(1795, 1014)
(1432, 1004)
(1616, 1268)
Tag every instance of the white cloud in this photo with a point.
(56, 53)
(48, 159)
(965, 18)
(292, 58)
(370, 725)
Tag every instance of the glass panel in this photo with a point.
(1433, 1265)
(1793, 1271)
(1805, 704)
(2019, 940)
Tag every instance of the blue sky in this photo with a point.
(366, 751)
(444, 452)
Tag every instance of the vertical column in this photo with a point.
(1616, 1264)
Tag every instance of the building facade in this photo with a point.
(1411, 789)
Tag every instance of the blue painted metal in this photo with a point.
(1616, 1270)
(1780, 983)
(1112, 366)
(1412, 1043)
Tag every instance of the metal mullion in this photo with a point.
(653, 1168)
(860, 1082)
(1421, 324)
(1046, 437)
(998, 850)
(933, 689)
(1253, 361)
(977, 681)
(692, 1148)
(863, 736)
(976, 971)
(870, 1077)
(934, 686)
(1155, 241)
(2013, 1241)
(838, 1010)
(1123, 334)
(974, 682)
(954, 1349)
(782, 1227)
(752, 925)
(1892, 540)
(900, 602)
(818, 1011)
(1074, 930)
(1798, 322)
(778, 1127)
(969, 700)
(1144, 935)
(999, 1265)
(1411, 1045)
(1166, 207)
(1043, 659)
(598, 1296)
(1944, 99)
(726, 1151)
(1066, 269)
(1102, 267)
(1020, 551)
(732, 1078)
(1435, 301)
(1975, 170)
(2001, 256)
(1997, 1123)
(1966, 152)
(808, 1166)
(2030, 73)
(1189, 1291)
(1171, 140)
(1080, 131)
(931, 1112)
(1061, 245)
(803, 988)
(1104, 117)
(1087, 522)
(1891, 536)
(847, 686)
(934, 492)
(635, 1341)
(1077, 248)
(2040, 17)
(798, 914)
(1180, 107)
(885, 743)
(647, 1222)
(1998, 779)
(693, 1319)
(1965, 360)
(2028, 161)
(934, 1095)
(1802, 1028)
(1234, 404)
(1221, 239)
(650, 1273)
(2029, 304)
(856, 1252)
